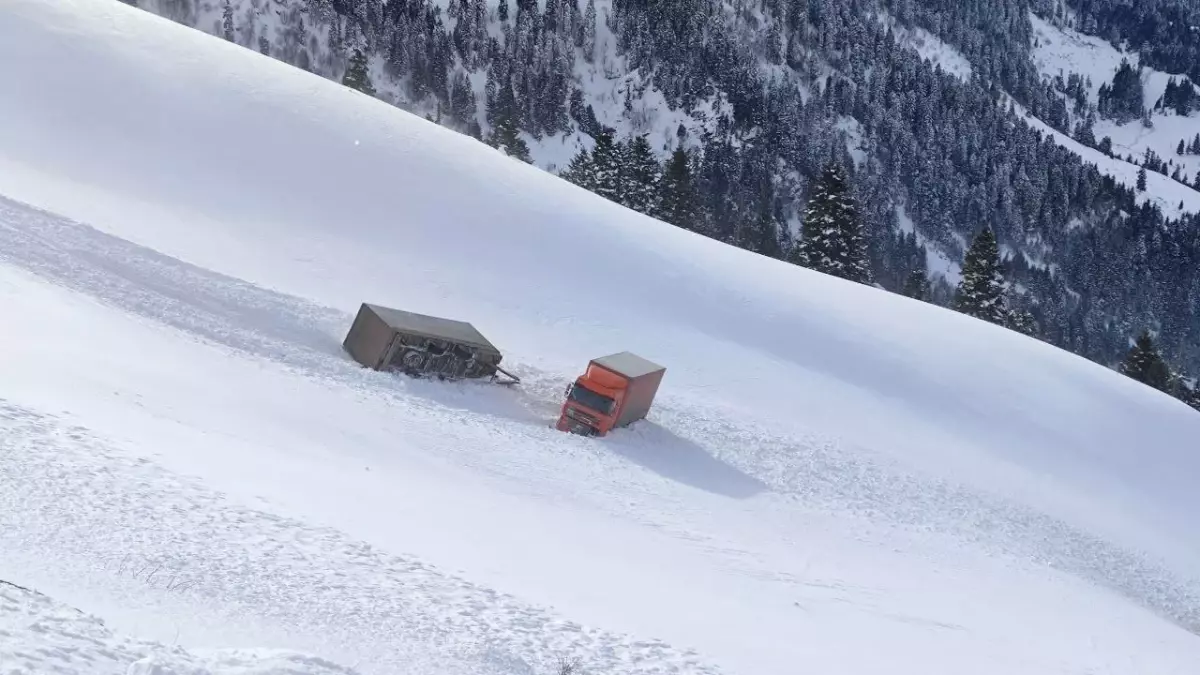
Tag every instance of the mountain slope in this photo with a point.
(1061, 52)
(761, 95)
(829, 467)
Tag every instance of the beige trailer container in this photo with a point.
(389, 339)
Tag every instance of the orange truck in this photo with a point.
(614, 391)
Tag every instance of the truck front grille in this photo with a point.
(581, 417)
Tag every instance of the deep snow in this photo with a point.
(834, 478)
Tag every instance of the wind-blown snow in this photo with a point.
(834, 478)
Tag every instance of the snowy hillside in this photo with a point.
(833, 478)
(761, 96)
(40, 635)
(1161, 191)
(607, 83)
(928, 46)
(1061, 51)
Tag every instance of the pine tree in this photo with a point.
(227, 20)
(589, 32)
(1191, 395)
(640, 176)
(249, 28)
(981, 292)
(606, 167)
(1141, 180)
(462, 99)
(504, 116)
(1085, 131)
(1179, 150)
(761, 233)
(916, 285)
(1022, 321)
(356, 76)
(832, 236)
(676, 196)
(502, 11)
(1145, 364)
(507, 137)
(581, 171)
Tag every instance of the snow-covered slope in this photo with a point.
(1060, 51)
(834, 479)
(606, 81)
(928, 46)
(41, 635)
(1162, 191)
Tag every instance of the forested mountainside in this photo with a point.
(720, 115)
(1166, 33)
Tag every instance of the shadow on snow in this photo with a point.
(658, 449)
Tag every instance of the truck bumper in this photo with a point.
(572, 425)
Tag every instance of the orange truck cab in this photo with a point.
(614, 391)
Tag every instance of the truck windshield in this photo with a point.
(588, 398)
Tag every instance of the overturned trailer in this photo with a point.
(389, 339)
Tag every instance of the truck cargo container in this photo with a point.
(389, 339)
(615, 391)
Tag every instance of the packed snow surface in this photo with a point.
(833, 478)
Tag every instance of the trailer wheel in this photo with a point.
(412, 359)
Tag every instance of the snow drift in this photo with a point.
(242, 209)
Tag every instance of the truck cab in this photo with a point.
(590, 407)
(614, 391)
